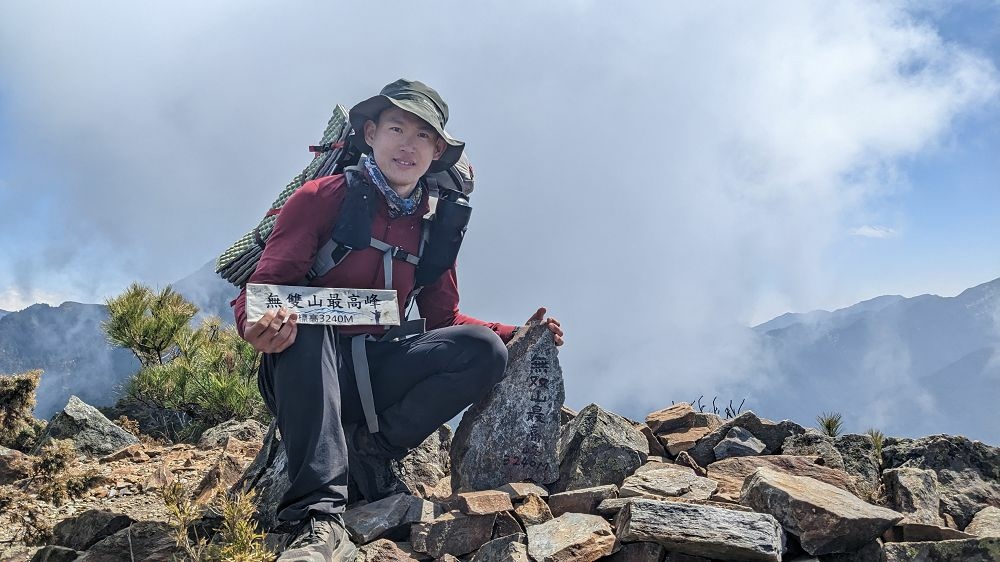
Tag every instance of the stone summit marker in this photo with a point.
(512, 435)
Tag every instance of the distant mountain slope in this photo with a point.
(68, 344)
(908, 366)
(209, 292)
(4, 312)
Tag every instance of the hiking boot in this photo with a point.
(372, 466)
(321, 538)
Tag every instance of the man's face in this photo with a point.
(404, 146)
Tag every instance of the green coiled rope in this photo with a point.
(238, 262)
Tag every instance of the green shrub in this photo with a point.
(18, 427)
(830, 423)
(878, 440)
(147, 323)
(212, 378)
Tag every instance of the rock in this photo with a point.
(160, 479)
(441, 493)
(452, 533)
(639, 552)
(149, 541)
(968, 472)
(968, 550)
(91, 433)
(731, 473)
(598, 448)
(249, 431)
(446, 558)
(826, 519)
(668, 483)
(770, 433)
(134, 453)
(520, 490)
(566, 415)
(220, 477)
(677, 416)
(655, 447)
(533, 511)
(512, 548)
(678, 557)
(914, 493)
(429, 463)
(860, 458)
(54, 553)
(483, 503)
(738, 443)
(506, 524)
(682, 441)
(511, 435)
(660, 465)
(268, 476)
(921, 532)
(696, 530)
(14, 465)
(986, 523)
(383, 550)
(611, 506)
(871, 552)
(389, 517)
(581, 501)
(684, 459)
(814, 444)
(571, 537)
(84, 530)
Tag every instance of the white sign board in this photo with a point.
(318, 305)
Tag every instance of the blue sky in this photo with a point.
(725, 162)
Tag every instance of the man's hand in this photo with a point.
(274, 332)
(552, 323)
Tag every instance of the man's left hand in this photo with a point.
(552, 323)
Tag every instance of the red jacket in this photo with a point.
(305, 224)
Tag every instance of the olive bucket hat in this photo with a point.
(420, 100)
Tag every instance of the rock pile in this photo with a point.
(685, 485)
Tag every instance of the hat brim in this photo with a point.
(369, 110)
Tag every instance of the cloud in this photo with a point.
(644, 173)
(874, 231)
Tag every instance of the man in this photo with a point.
(309, 374)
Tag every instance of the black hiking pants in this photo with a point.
(418, 384)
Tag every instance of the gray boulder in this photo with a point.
(91, 433)
(825, 518)
(967, 550)
(738, 443)
(426, 465)
(696, 530)
(511, 435)
(860, 457)
(84, 530)
(250, 431)
(811, 443)
(389, 517)
(668, 483)
(571, 537)
(150, 541)
(968, 472)
(511, 548)
(597, 448)
(914, 493)
(986, 523)
(53, 553)
(770, 433)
